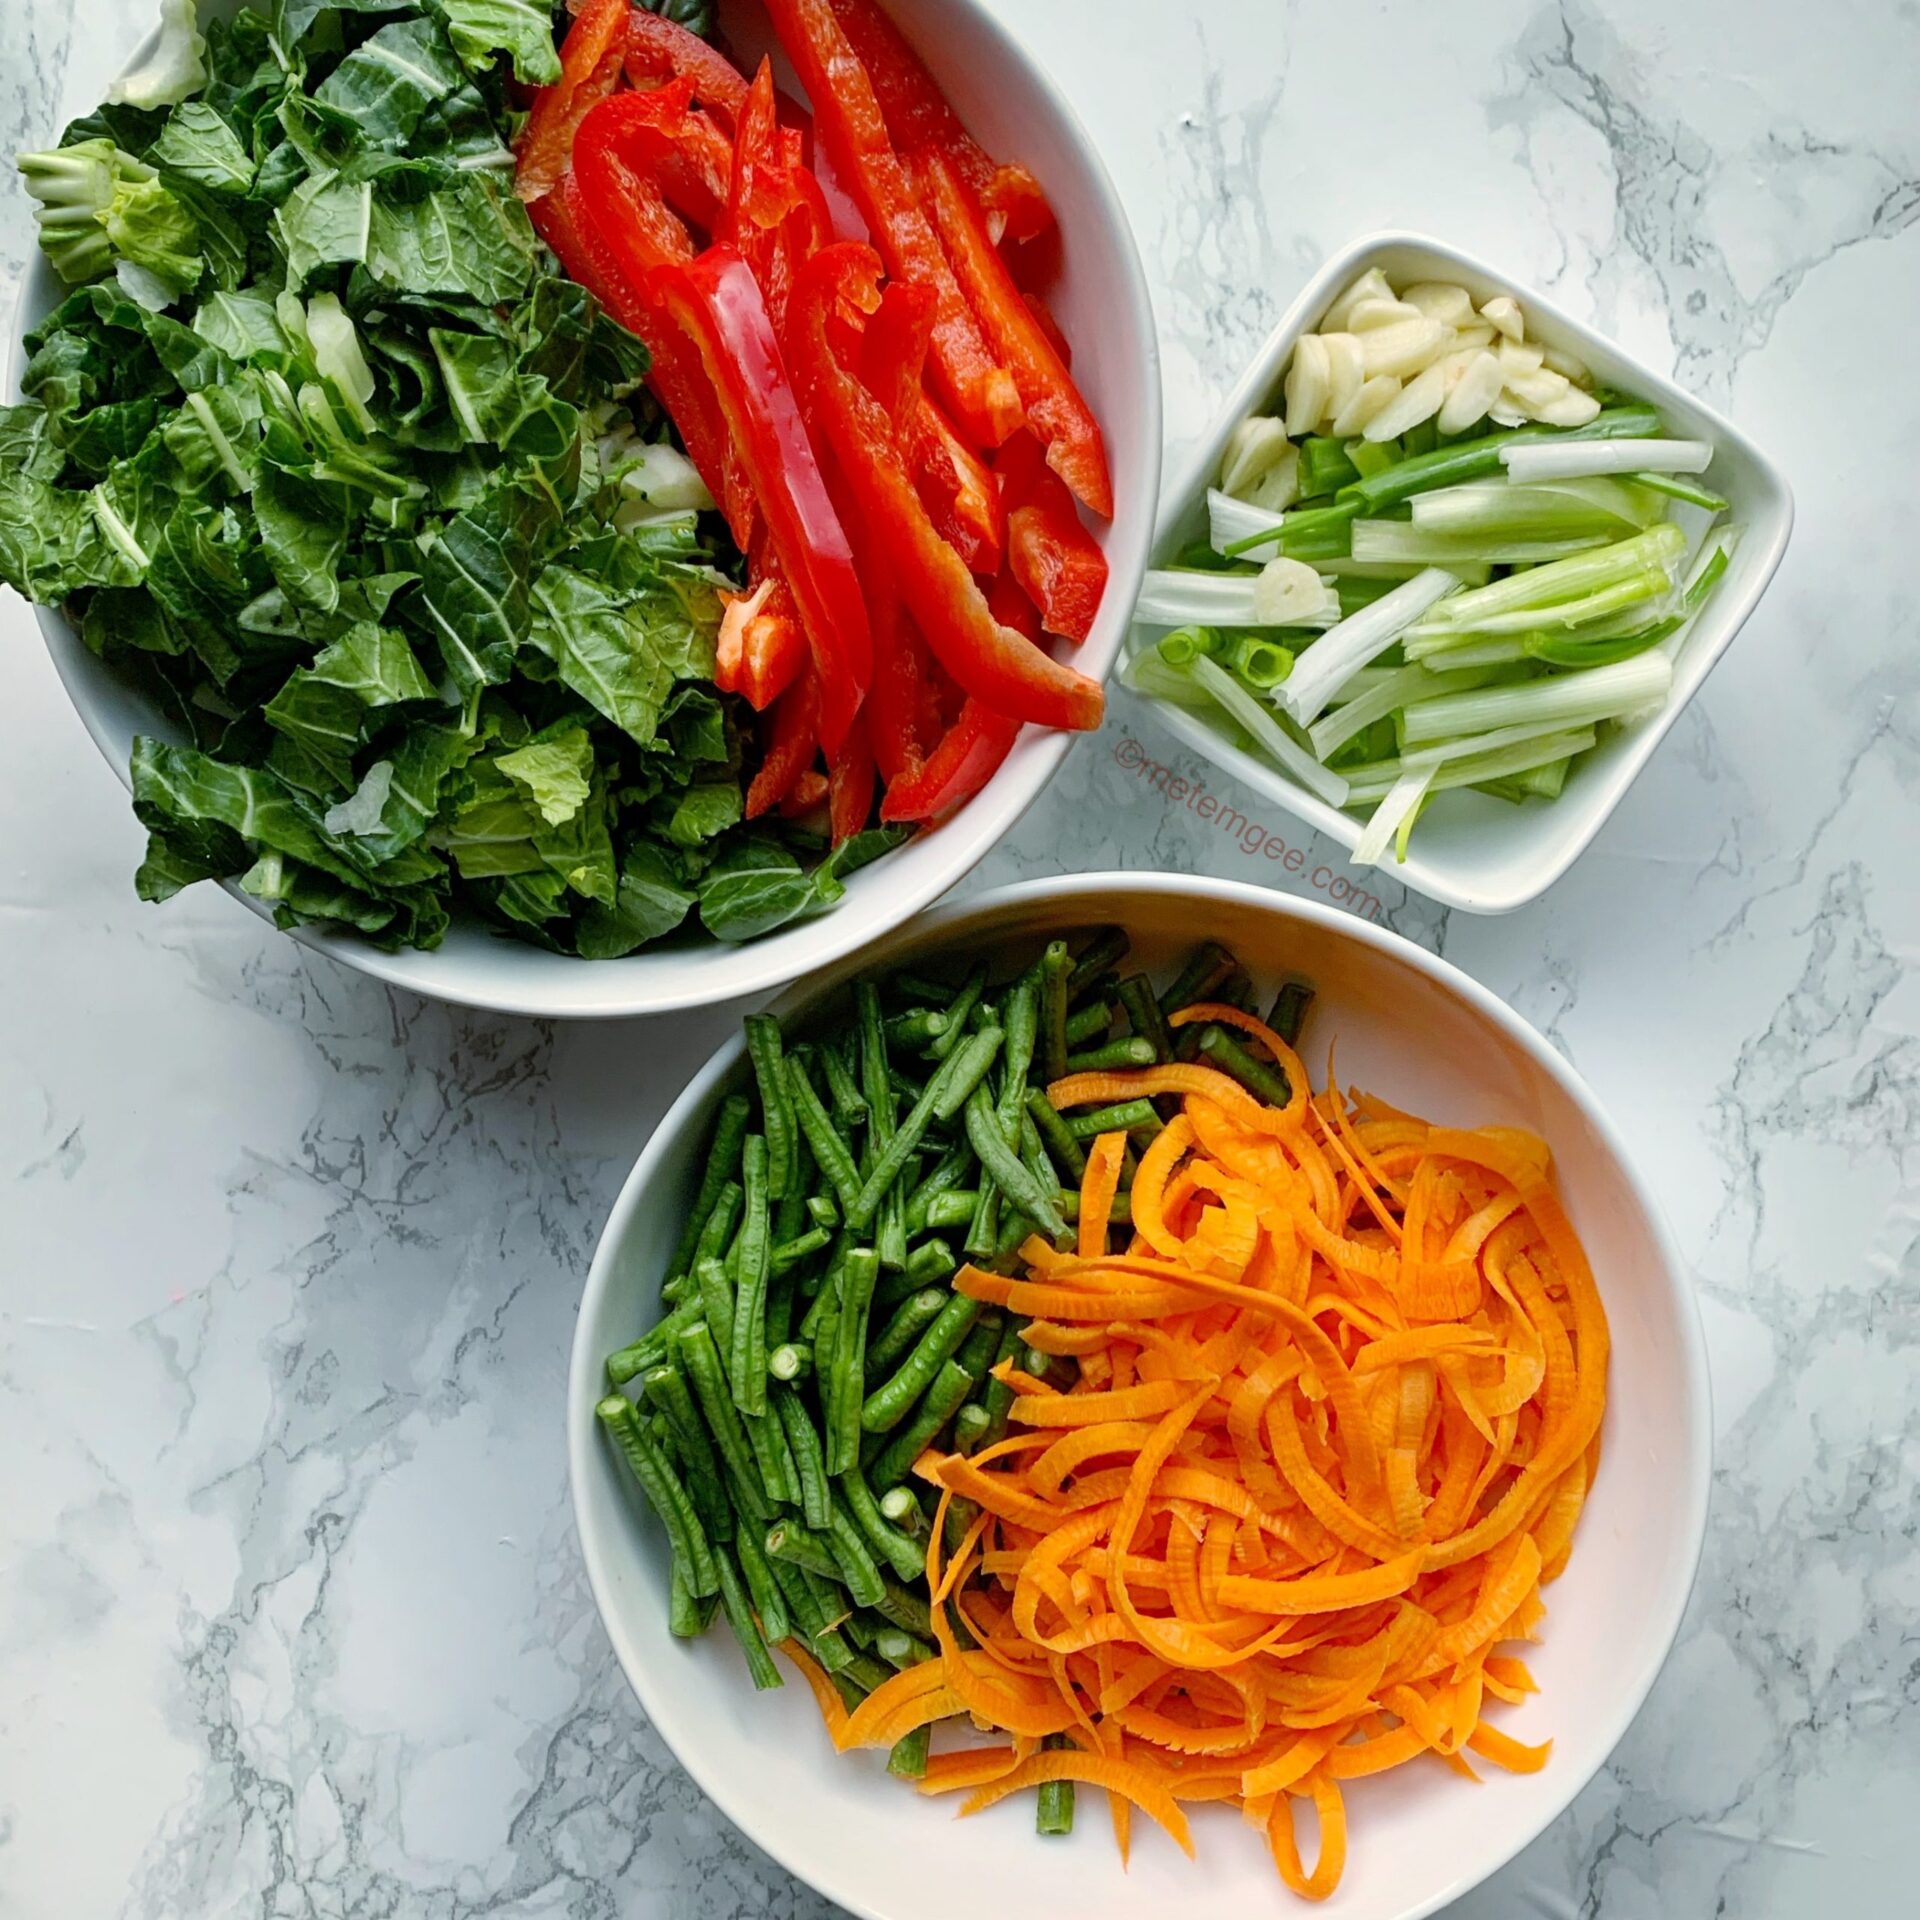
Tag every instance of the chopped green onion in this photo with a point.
(1407, 545)
(1570, 699)
(1260, 663)
(1557, 460)
(1268, 734)
(1357, 642)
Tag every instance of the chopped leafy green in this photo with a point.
(323, 456)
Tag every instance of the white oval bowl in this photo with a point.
(1100, 299)
(1419, 1033)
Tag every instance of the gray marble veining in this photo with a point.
(291, 1616)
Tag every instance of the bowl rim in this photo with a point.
(592, 990)
(1768, 533)
(586, 1381)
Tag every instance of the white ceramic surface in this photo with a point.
(1470, 850)
(1422, 1035)
(1100, 299)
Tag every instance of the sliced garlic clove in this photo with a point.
(1346, 369)
(1503, 312)
(1441, 300)
(1404, 348)
(1307, 386)
(1369, 314)
(1279, 487)
(1371, 285)
(1474, 336)
(1373, 395)
(1520, 356)
(1573, 408)
(1570, 365)
(1420, 399)
(1538, 388)
(1476, 389)
(1288, 592)
(1256, 445)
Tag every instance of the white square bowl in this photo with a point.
(1472, 851)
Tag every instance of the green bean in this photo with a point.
(665, 1387)
(917, 1031)
(983, 1230)
(890, 1229)
(942, 1401)
(930, 1263)
(1127, 1116)
(734, 1597)
(960, 1012)
(996, 1397)
(1115, 1057)
(716, 1296)
(944, 1095)
(1020, 1014)
(1207, 965)
(900, 1649)
(1105, 949)
(961, 1514)
(903, 1085)
(663, 1488)
(1222, 1050)
(1144, 1015)
(1056, 1135)
(768, 1600)
(810, 1466)
(767, 1441)
(900, 1506)
(905, 1607)
(836, 1656)
(866, 1673)
(907, 1757)
(970, 1428)
(701, 1359)
(949, 1171)
(824, 1210)
(844, 1384)
(849, 1103)
(788, 1540)
(748, 1368)
(857, 1570)
(1009, 1174)
(716, 1234)
(1033, 1155)
(654, 1345)
(916, 986)
(1289, 1013)
(1054, 969)
(1119, 1212)
(1015, 1228)
(830, 1152)
(776, 1107)
(723, 1156)
(687, 1617)
(1236, 989)
(791, 1361)
(887, 1541)
(889, 1404)
(860, 1630)
(804, 1608)
(1082, 1024)
(908, 1321)
(1054, 1814)
(951, 1209)
(802, 1247)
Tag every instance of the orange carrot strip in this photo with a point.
(1131, 1781)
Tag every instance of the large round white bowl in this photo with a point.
(1100, 299)
(1422, 1035)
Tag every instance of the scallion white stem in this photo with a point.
(1575, 459)
(1359, 640)
(1575, 699)
(1568, 579)
(1402, 543)
(1401, 799)
(1230, 520)
(1368, 784)
(1268, 734)
(1174, 598)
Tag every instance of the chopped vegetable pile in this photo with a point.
(1240, 1512)
(1451, 563)
(439, 606)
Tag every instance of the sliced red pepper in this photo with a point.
(807, 793)
(965, 760)
(659, 50)
(614, 222)
(979, 390)
(997, 666)
(918, 116)
(1009, 603)
(662, 140)
(761, 648)
(793, 737)
(776, 214)
(1055, 407)
(1052, 555)
(850, 784)
(719, 305)
(955, 485)
(590, 59)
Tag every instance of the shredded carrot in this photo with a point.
(1336, 1413)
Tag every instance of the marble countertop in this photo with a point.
(292, 1618)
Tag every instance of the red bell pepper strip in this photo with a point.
(659, 50)
(1008, 601)
(979, 390)
(807, 793)
(1054, 558)
(999, 667)
(614, 229)
(955, 485)
(1055, 408)
(793, 737)
(660, 139)
(964, 761)
(918, 117)
(776, 214)
(590, 58)
(761, 649)
(850, 784)
(719, 305)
